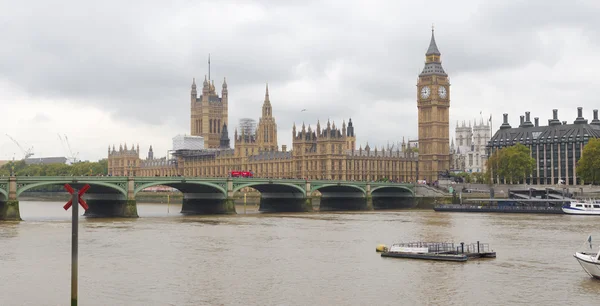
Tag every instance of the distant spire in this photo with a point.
(209, 66)
(224, 83)
(433, 49)
(267, 93)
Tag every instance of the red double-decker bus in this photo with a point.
(240, 173)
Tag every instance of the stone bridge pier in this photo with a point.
(9, 204)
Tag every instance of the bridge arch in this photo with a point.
(271, 187)
(338, 187)
(185, 186)
(4, 193)
(110, 186)
(392, 188)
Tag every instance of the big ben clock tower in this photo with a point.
(433, 104)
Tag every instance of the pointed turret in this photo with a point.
(318, 127)
(205, 87)
(294, 130)
(194, 93)
(224, 91)
(433, 62)
(150, 153)
(433, 49)
(350, 130)
(224, 141)
(267, 109)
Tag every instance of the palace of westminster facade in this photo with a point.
(326, 152)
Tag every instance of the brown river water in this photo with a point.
(165, 258)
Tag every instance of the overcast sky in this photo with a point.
(110, 72)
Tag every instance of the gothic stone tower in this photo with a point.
(208, 113)
(433, 103)
(266, 133)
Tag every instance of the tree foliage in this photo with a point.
(512, 163)
(588, 166)
(77, 169)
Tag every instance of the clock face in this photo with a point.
(425, 91)
(442, 92)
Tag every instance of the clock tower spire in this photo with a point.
(433, 104)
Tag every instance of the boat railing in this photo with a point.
(448, 247)
(497, 207)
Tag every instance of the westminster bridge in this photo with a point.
(114, 196)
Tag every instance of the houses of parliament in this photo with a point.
(326, 151)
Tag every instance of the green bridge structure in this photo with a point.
(114, 196)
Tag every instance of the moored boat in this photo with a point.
(589, 260)
(579, 207)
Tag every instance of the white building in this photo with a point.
(185, 142)
(468, 146)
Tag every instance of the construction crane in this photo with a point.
(26, 153)
(72, 157)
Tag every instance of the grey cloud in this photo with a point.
(136, 60)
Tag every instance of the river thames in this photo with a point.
(165, 258)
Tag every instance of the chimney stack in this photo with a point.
(527, 122)
(580, 119)
(595, 121)
(505, 124)
(537, 121)
(554, 120)
(522, 121)
(283, 148)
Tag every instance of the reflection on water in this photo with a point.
(165, 258)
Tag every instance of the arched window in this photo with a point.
(210, 125)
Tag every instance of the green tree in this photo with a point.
(512, 163)
(467, 178)
(77, 169)
(479, 177)
(588, 167)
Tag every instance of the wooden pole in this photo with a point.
(74, 246)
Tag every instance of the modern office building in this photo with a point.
(556, 147)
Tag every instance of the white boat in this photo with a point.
(589, 260)
(590, 207)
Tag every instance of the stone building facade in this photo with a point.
(556, 147)
(468, 147)
(324, 153)
(124, 162)
(433, 103)
(209, 112)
